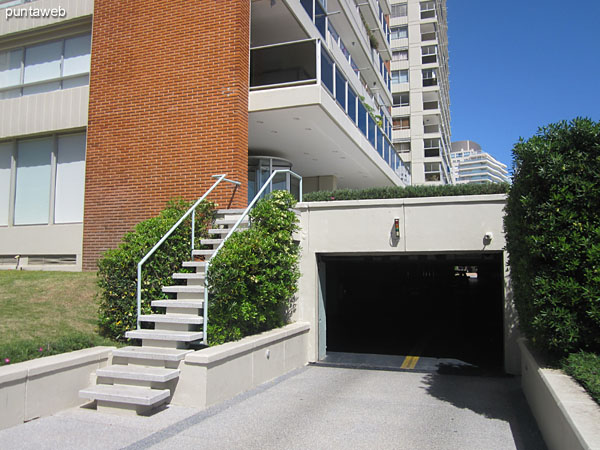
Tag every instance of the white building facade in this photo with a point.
(420, 89)
(472, 165)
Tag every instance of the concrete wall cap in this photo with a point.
(230, 349)
(580, 411)
(373, 203)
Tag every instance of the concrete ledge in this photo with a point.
(566, 415)
(43, 386)
(216, 374)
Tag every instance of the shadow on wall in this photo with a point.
(498, 398)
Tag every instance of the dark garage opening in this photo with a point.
(439, 306)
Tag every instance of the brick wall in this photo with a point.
(168, 109)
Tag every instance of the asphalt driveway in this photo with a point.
(314, 408)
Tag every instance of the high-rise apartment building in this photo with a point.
(100, 125)
(420, 88)
(472, 165)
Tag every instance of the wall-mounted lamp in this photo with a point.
(397, 228)
(488, 237)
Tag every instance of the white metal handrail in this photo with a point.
(192, 210)
(268, 183)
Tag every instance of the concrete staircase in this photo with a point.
(144, 378)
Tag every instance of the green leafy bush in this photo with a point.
(406, 192)
(585, 368)
(117, 270)
(253, 277)
(552, 226)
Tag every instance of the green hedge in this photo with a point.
(407, 192)
(117, 270)
(585, 368)
(253, 277)
(552, 226)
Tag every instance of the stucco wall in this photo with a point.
(427, 225)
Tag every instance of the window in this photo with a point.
(400, 55)
(401, 123)
(46, 171)
(399, 76)
(429, 54)
(432, 148)
(402, 147)
(427, 10)
(398, 32)
(429, 77)
(400, 10)
(401, 99)
(45, 67)
(432, 171)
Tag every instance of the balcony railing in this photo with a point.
(318, 16)
(309, 62)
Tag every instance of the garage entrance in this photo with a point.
(446, 307)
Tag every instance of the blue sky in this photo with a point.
(517, 65)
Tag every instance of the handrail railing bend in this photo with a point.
(267, 184)
(192, 210)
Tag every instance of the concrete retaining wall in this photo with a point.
(44, 386)
(567, 416)
(215, 374)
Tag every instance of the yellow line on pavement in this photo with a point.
(410, 362)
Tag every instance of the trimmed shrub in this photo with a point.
(253, 277)
(407, 192)
(552, 227)
(117, 270)
(585, 368)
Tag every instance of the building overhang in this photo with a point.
(304, 125)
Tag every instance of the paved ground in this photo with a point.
(316, 408)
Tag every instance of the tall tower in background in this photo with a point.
(420, 88)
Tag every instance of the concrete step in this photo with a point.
(211, 241)
(173, 318)
(199, 304)
(165, 335)
(193, 289)
(230, 211)
(153, 353)
(189, 276)
(232, 222)
(138, 373)
(133, 395)
(203, 252)
(221, 231)
(196, 264)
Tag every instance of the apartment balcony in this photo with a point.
(305, 108)
(428, 33)
(374, 17)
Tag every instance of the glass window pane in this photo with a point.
(5, 160)
(70, 179)
(77, 55)
(42, 62)
(326, 70)
(10, 68)
(32, 198)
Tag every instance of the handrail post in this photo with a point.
(139, 293)
(205, 306)
(193, 228)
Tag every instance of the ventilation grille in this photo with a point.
(50, 260)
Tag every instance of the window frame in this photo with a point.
(20, 89)
(13, 146)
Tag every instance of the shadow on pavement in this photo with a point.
(494, 397)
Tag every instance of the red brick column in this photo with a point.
(168, 109)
